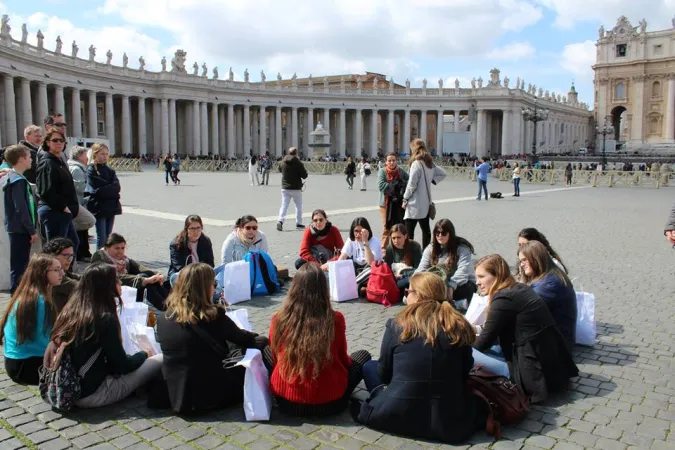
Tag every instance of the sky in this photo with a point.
(549, 43)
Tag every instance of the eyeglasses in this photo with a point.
(67, 255)
(57, 140)
(251, 228)
(60, 124)
(410, 291)
(442, 233)
(523, 262)
(319, 220)
(195, 229)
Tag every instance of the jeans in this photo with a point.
(403, 284)
(371, 377)
(266, 176)
(104, 226)
(493, 362)
(482, 186)
(286, 196)
(350, 180)
(115, 389)
(19, 255)
(166, 176)
(516, 186)
(410, 225)
(57, 224)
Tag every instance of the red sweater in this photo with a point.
(332, 241)
(331, 383)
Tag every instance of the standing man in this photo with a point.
(483, 171)
(670, 227)
(292, 173)
(266, 165)
(32, 140)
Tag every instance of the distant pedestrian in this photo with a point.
(175, 169)
(266, 165)
(168, 165)
(253, 170)
(670, 227)
(364, 172)
(483, 169)
(516, 180)
(292, 173)
(350, 171)
(568, 174)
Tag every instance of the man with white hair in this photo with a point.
(32, 140)
(77, 164)
(292, 173)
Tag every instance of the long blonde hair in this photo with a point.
(419, 152)
(96, 148)
(432, 314)
(541, 263)
(497, 266)
(190, 300)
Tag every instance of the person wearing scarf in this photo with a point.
(245, 237)
(391, 182)
(321, 242)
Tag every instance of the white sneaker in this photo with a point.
(405, 300)
(462, 304)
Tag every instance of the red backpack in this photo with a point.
(382, 286)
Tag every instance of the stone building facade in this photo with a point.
(635, 85)
(190, 110)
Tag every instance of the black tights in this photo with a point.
(354, 377)
(410, 225)
(24, 371)
(156, 295)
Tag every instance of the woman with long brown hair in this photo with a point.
(190, 246)
(196, 336)
(424, 362)
(28, 319)
(90, 330)
(417, 195)
(538, 359)
(312, 373)
(402, 255)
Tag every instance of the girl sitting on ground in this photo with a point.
(245, 238)
(321, 242)
(402, 255)
(189, 247)
(532, 234)
(63, 250)
(362, 247)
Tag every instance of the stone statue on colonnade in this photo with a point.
(24, 33)
(424, 83)
(92, 53)
(163, 62)
(74, 49)
(40, 39)
(5, 29)
(205, 70)
(440, 84)
(109, 56)
(246, 75)
(125, 60)
(195, 69)
(473, 83)
(480, 82)
(141, 64)
(230, 75)
(263, 78)
(178, 62)
(506, 82)
(215, 73)
(59, 45)
(456, 83)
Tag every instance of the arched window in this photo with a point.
(620, 91)
(656, 89)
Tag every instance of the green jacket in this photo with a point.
(382, 181)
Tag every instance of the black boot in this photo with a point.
(83, 252)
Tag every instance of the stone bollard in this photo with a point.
(4, 247)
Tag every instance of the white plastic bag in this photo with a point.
(477, 310)
(128, 295)
(240, 317)
(585, 319)
(236, 278)
(257, 395)
(342, 281)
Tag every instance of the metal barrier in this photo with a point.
(125, 164)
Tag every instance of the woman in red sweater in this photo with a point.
(312, 374)
(321, 242)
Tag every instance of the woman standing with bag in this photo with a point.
(102, 193)
(364, 171)
(417, 197)
(391, 182)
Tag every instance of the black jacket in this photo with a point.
(292, 173)
(181, 257)
(18, 217)
(193, 370)
(426, 395)
(539, 360)
(31, 173)
(562, 302)
(102, 194)
(55, 186)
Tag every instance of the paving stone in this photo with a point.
(112, 432)
(167, 442)
(507, 445)
(175, 424)
(285, 436)
(190, 433)
(326, 436)
(87, 440)
(12, 444)
(243, 437)
(12, 412)
(368, 435)
(608, 432)
(262, 444)
(140, 425)
(582, 438)
(21, 419)
(125, 441)
(62, 424)
(609, 444)
(55, 444)
(303, 443)
(49, 416)
(541, 441)
(349, 443)
(42, 436)
(4, 434)
(152, 434)
(208, 442)
(73, 432)
(226, 429)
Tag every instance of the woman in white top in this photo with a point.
(516, 180)
(364, 170)
(253, 170)
(417, 196)
(362, 247)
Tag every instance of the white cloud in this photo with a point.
(513, 52)
(578, 58)
(658, 13)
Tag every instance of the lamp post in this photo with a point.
(534, 115)
(604, 131)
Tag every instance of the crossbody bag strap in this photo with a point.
(208, 339)
(85, 368)
(424, 171)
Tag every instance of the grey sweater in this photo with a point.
(464, 272)
(670, 224)
(417, 192)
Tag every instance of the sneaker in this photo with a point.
(299, 226)
(280, 226)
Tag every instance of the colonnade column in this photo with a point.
(43, 103)
(142, 128)
(391, 117)
(215, 139)
(406, 130)
(76, 120)
(59, 102)
(126, 126)
(173, 123)
(670, 126)
(294, 129)
(343, 133)
(310, 127)
(92, 116)
(204, 121)
(26, 107)
(373, 133)
(278, 139)
(456, 121)
(164, 108)
(110, 121)
(439, 133)
(507, 125)
(262, 130)
(255, 132)
(517, 128)
(196, 134)
(231, 152)
(423, 126)
(247, 131)
(481, 149)
(10, 111)
(326, 126)
(157, 127)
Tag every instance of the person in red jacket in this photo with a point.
(312, 374)
(321, 242)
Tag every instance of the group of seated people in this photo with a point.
(417, 387)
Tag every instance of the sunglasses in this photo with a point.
(319, 220)
(60, 124)
(251, 228)
(57, 140)
(442, 233)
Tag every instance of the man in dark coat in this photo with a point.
(32, 139)
(292, 173)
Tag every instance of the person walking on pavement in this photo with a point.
(266, 165)
(482, 170)
(350, 171)
(253, 170)
(669, 230)
(292, 173)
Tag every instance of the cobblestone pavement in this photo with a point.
(611, 239)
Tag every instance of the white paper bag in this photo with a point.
(585, 319)
(240, 317)
(128, 295)
(477, 310)
(236, 278)
(257, 395)
(342, 281)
